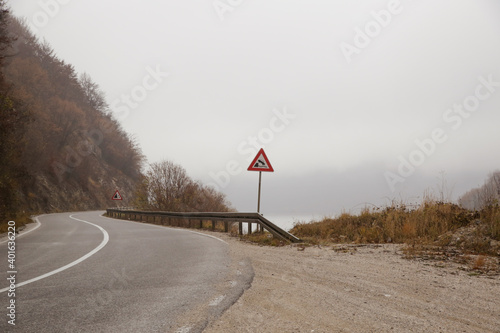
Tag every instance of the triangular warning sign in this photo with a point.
(117, 196)
(261, 163)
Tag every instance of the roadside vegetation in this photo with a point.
(467, 232)
(432, 223)
(61, 148)
(262, 238)
(166, 186)
(436, 228)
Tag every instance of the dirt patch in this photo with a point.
(369, 288)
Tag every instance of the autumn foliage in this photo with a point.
(167, 187)
(60, 146)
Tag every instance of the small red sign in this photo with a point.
(261, 163)
(117, 196)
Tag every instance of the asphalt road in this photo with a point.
(87, 273)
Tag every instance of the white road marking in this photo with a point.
(216, 301)
(199, 233)
(76, 262)
(184, 329)
(38, 224)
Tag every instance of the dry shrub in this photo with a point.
(479, 263)
(491, 217)
(396, 223)
(408, 230)
(483, 264)
(263, 238)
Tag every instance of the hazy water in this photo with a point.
(286, 222)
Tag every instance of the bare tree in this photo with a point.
(168, 187)
(486, 195)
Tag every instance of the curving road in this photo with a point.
(87, 273)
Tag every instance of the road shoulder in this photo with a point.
(356, 289)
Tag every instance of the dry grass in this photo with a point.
(491, 216)
(396, 223)
(263, 238)
(432, 223)
(479, 263)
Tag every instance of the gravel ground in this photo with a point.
(361, 289)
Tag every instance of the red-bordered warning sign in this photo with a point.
(261, 162)
(117, 196)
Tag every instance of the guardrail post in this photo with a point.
(213, 225)
(249, 228)
(226, 226)
(240, 228)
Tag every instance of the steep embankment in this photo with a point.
(68, 152)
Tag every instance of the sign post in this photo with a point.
(260, 163)
(258, 200)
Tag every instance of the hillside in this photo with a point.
(61, 148)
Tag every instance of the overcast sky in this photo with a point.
(353, 101)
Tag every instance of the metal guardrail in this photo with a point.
(167, 218)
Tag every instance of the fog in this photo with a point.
(353, 102)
